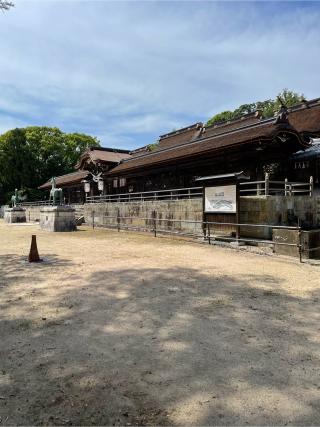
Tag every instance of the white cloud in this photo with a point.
(128, 71)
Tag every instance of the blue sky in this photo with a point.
(127, 72)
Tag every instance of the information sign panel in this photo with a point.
(222, 198)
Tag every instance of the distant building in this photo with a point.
(305, 163)
(250, 144)
(94, 161)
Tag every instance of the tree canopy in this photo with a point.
(268, 107)
(31, 155)
(5, 5)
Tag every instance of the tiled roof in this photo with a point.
(69, 179)
(180, 136)
(141, 150)
(313, 151)
(222, 127)
(265, 130)
(307, 117)
(303, 118)
(106, 155)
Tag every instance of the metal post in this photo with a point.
(204, 230)
(300, 240)
(209, 236)
(311, 186)
(285, 186)
(154, 223)
(266, 184)
(259, 188)
(238, 211)
(93, 220)
(118, 219)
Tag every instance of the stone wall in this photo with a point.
(2, 209)
(165, 211)
(270, 210)
(278, 210)
(14, 215)
(57, 218)
(310, 241)
(33, 212)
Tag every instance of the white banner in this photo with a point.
(222, 199)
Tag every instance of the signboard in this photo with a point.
(222, 198)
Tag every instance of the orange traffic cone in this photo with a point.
(34, 254)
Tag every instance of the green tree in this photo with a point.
(30, 156)
(153, 147)
(220, 117)
(76, 144)
(15, 160)
(244, 109)
(49, 152)
(268, 107)
(288, 98)
(5, 5)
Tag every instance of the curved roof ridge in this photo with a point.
(231, 131)
(181, 130)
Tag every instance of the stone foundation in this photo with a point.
(310, 241)
(278, 210)
(58, 218)
(164, 210)
(33, 212)
(268, 210)
(14, 215)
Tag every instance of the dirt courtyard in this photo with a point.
(124, 329)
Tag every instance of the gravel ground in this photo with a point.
(124, 329)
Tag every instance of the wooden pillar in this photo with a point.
(238, 211)
(266, 184)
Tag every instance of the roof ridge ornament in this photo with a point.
(282, 116)
(97, 177)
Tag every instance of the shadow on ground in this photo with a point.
(161, 346)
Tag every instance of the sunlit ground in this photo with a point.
(122, 328)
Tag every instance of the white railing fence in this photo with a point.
(269, 187)
(35, 203)
(264, 187)
(172, 194)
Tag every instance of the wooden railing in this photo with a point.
(35, 203)
(264, 187)
(172, 194)
(268, 187)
